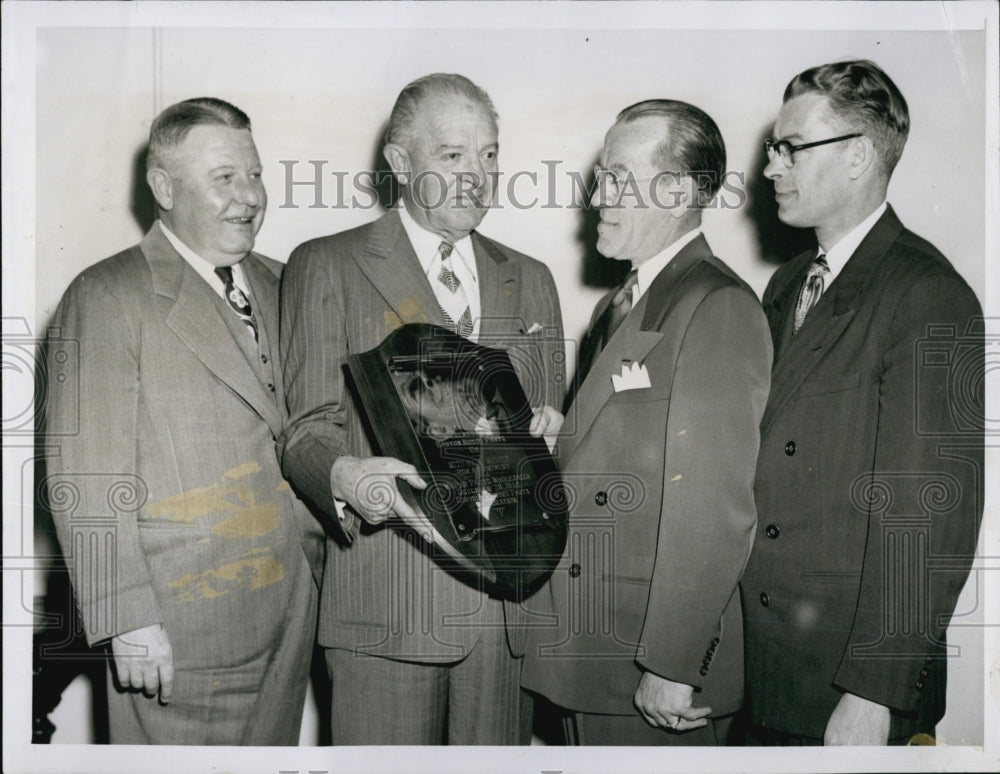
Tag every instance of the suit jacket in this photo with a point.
(661, 482)
(869, 487)
(163, 481)
(382, 592)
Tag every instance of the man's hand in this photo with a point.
(857, 721)
(369, 486)
(546, 422)
(666, 704)
(143, 660)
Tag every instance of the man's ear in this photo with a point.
(162, 187)
(863, 156)
(399, 161)
(684, 196)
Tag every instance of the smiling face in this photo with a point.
(211, 194)
(647, 217)
(816, 192)
(449, 164)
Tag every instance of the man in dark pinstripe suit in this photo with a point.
(416, 655)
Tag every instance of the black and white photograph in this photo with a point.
(741, 260)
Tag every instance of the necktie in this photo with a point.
(237, 300)
(451, 296)
(608, 322)
(811, 291)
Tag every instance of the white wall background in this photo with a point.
(324, 94)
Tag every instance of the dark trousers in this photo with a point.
(584, 728)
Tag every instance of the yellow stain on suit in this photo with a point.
(247, 573)
(410, 311)
(231, 495)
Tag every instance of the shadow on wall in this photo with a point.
(596, 271)
(142, 204)
(777, 242)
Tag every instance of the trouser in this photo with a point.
(474, 701)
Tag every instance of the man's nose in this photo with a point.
(775, 167)
(250, 192)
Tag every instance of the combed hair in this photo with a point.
(693, 144)
(863, 99)
(173, 124)
(435, 85)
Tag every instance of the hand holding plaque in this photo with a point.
(494, 505)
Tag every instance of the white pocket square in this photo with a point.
(633, 377)
(535, 328)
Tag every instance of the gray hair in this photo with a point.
(173, 124)
(435, 85)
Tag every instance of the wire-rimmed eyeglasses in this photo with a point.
(786, 151)
(611, 183)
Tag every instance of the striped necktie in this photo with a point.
(452, 300)
(811, 290)
(237, 300)
(609, 322)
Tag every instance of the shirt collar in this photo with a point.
(426, 243)
(204, 269)
(838, 255)
(649, 269)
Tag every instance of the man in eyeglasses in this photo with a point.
(870, 477)
(644, 643)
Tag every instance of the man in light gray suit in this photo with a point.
(417, 655)
(188, 551)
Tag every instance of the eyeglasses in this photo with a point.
(786, 150)
(611, 184)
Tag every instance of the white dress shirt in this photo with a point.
(463, 264)
(648, 270)
(205, 269)
(839, 254)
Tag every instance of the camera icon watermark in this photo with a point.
(33, 369)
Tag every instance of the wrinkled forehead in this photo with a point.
(439, 116)
(208, 143)
(632, 143)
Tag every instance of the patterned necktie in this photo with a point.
(608, 322)
(620, 306)
(811, 291)
(237, 300)
(452, 300)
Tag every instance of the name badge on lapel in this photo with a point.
(634, 376)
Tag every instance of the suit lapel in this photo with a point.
(633, 341)
(196, 319)
(394, 271)
(499, 288)
(264, 288)
(827, 321)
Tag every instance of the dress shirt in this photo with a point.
(839, 254)
(463, 263)
(652, 267)
(205, 269)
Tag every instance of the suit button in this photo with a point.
(703, 672)
(765, 600)
(930, 659)
(263, 358)
(790, 448)
(574, 570)
(601, 498)
(270, 387)
(919, 685)
(772, 531)
(923, 673)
